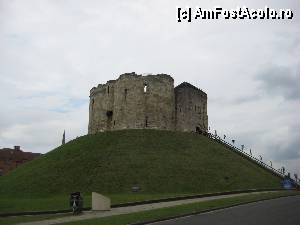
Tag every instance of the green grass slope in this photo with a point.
(157, 161)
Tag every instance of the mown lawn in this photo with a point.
(161, 163)
(19, 219)
(59, 202)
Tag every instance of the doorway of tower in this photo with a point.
(109, 115)
(198, 130)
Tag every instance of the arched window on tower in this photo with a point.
(145, 88)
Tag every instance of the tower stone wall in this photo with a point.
(191, 108)
(141, 102)
(133, 102)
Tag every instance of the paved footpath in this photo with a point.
(130, 209)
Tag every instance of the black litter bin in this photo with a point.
(76, 202)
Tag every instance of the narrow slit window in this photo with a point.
(146, 121)
(93, 101)
(125, 93)
(145, 88)
(107, 89)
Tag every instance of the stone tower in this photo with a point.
(133, 102)
(141, 102)
(191, 108)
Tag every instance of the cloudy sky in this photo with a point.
(53, 52)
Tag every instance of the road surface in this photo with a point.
(281, 211)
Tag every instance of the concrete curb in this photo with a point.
(205, 211)
(143, 202)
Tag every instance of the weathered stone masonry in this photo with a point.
(191, 108)
(141, 102)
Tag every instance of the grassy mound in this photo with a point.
(156, 161)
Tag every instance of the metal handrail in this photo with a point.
(249, 156)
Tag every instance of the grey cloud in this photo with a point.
(246, 99)
(288, 150)
(287, 145)
(281, 81)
